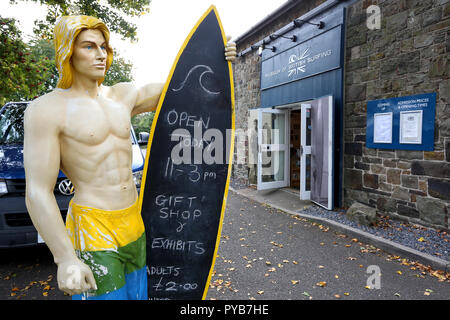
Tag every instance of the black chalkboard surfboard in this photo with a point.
(188, 164)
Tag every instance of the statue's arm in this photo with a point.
(41, 160)
(147, 98)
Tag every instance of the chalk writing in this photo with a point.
(200, 66)
(188, 246)
(173, 286)
(185, 119)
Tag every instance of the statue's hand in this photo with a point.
(75, 277)
(230, 50)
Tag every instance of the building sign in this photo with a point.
(314, 56)
(402, 123)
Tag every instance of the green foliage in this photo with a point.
(120, 71)
(28, 70)
(112, 15)
(142, 122)
(23, 72)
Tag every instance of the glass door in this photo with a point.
(322, 155)
(305, 152)
(273, 148)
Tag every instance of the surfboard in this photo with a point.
(188, 165)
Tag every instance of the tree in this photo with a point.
(120, 71)
(23, 75)
(111, 14)
(142, 122)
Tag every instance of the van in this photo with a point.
(16, 228)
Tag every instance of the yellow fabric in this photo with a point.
(92, 229)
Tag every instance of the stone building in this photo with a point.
(361, 85)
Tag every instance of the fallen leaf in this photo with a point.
(45, 294)
(337, 296)
(399, 272)
(15, 289)
(268, 263)
(294, 262)
(294, 281)
(397, 294)
(321, 284)
(421, 239)
(306, 294)
(346, 294)
(260, 292)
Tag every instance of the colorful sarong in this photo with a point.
(112, 243)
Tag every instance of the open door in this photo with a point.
(273, 149)
(305, 152)
(322, 155)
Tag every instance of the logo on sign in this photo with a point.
(298, 63)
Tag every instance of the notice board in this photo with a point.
(405, 123)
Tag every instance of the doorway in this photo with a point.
(295, 148)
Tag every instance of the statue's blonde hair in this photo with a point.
(66, 30)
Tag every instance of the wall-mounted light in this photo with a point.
(276, 36)
(299, 22)
(264, 47)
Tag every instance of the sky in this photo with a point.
(161, 32)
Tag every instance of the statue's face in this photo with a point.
(89, 55)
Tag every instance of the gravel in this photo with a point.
(427, 240)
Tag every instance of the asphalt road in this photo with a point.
(28, 274)
(264, 254)
(268, 254)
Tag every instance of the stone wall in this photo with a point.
(408, 55)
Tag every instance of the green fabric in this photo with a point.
(110, 267)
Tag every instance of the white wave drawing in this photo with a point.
(208, 70)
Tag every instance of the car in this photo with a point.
(16, 227)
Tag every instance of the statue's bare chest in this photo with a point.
(91, 122)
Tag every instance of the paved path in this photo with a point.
(268, 254)
(264, 254)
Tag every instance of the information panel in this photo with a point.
(402, 123)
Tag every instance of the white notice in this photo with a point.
(411, 127)
(382, 127)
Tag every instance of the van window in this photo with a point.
(11, 123)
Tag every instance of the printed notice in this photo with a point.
(411, 127)
(382, 127)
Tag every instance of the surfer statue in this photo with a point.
(83, 128)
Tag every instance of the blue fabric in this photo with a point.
(135, 288)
